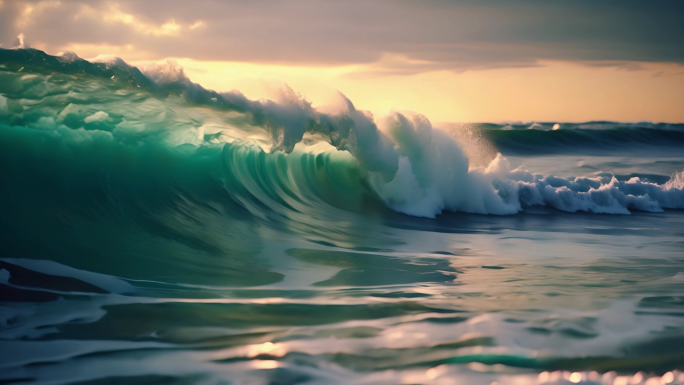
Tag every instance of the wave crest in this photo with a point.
(411, 166)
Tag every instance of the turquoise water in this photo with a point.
(157, 232)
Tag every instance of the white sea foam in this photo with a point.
(432, 175)
(99, 116)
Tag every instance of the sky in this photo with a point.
(454, 61)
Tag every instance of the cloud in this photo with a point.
(621, 65)
(197, 24)
(661, 74)
(29, 11)
(112, 14)
(400, 36)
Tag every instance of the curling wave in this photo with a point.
(108, 137)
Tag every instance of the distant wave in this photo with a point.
(109, 139)
(595, 138)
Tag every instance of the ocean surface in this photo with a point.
(156, 232)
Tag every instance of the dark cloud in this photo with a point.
(454, 35)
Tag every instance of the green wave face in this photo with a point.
(150, 181)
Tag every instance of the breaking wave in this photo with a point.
(106, 137)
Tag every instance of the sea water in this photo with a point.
(154, 231)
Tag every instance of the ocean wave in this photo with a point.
(108, 137)
(591, 138)
(605, 138)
